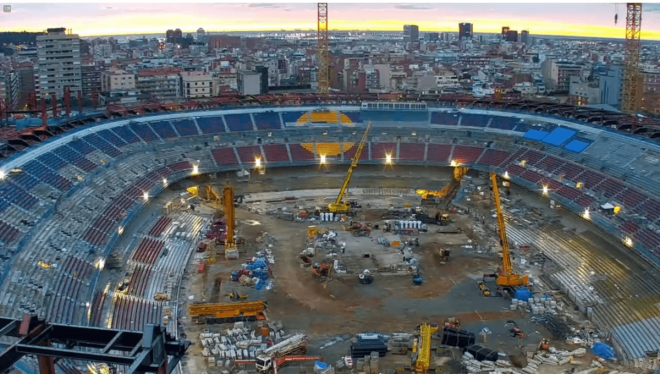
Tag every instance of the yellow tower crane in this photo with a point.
(230, 243)
(507, 277)
(340, 205)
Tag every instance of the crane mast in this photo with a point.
(230, 243)
(507, 277)
(339, 205)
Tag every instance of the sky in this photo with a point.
(593, 20)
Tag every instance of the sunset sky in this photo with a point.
(542, 19)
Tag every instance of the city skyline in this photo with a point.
(588, 20)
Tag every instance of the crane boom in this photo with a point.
(508, 277)
(339, 205)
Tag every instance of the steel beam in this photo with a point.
(143, 352)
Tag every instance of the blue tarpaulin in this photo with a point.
(523, 294)
(603, 351)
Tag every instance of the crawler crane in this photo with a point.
(506, 277)
(340, 205)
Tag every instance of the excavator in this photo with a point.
(447, 192)
(340, 205)
(506, 277)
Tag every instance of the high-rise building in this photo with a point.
(512, 36)
(169, 34)
(201, 35)
(610, 85)
(525, 38)
(25, 71)
(59, 63)
(249, 82)
(177, 37)
(91, 79)
(9, 88)
(505, 31)
(431, 36)
(263, 70)
(465, 31)
(411, 36)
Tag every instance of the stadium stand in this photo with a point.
(239, 122)
(293, 116)
(186, 127)
(380, 150)
(113, 193)
(267, 121)
(211, 125)
(443, 118)
(276, 153)
(474, 120)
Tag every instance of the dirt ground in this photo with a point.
(333, 312)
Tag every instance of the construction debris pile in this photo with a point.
(255, 271)
(535, 362)
(240, 343)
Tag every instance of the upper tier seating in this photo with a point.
(211, 125)
(186, 127)
(443, 118)
(267, 121)
(239, 122)
(164, 129)
(474, 120)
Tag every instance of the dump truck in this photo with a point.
(227, 312)
(295, 345)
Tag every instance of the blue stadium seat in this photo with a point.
(504, 123)
(442, 118)
(239, 122)
(290, 117)
(354, 116)
(144, 132)
(164, 129)
(52, 161)
(394, 116)
(474, 120)
(103, 145)
(266, 121)
(211, 125)
(125, 133)
(82, 146)
(186, 127)
(112, 138)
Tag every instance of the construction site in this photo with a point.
(448, 277)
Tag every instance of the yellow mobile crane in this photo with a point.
(424, 347)
(507, 277)
(341, 206)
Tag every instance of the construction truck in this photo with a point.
(268, 359)
(285, 360)
(227, 312)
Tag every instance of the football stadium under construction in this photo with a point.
(332, 234)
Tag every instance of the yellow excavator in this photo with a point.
(340, 205)
(447, 192)
(506, 277)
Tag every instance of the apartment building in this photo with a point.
(91, 79)
(9, 88)
(160, 84)
(117, 80)
(196, 84)
(59, 63)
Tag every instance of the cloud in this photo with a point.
(108, 7)
(263, 5)
(412, 7)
